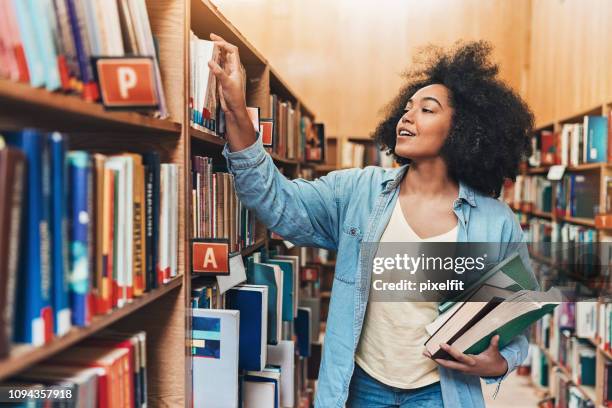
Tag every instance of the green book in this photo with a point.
(511, 274)
(471, 327)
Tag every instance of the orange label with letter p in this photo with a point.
(127, 82)
(210, 258)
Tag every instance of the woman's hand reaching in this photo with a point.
(231, 78)
(489, 363)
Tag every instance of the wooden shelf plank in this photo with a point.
(586, 222)
(204, 135)
(23, 105)
(24, 356)
(253, 248)
(571, 169)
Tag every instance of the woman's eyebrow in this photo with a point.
(431, 98)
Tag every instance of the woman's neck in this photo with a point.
(429, 178)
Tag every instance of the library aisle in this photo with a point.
(197, 197)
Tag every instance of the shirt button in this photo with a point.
(353, 231)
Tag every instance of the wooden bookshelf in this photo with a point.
(163, 313)
(21, 105)
(24, 356)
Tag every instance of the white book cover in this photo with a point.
(129, 226)
(565, 143)
(237, 274)
(205, 50)
(119, 167)
(215, 335)
(283, 355)
(259, 394)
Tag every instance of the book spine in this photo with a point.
(83, 51)
(78, 168)
(11, 219)
(59, 247)
(41, 13)
(36, 68)
(149, 265)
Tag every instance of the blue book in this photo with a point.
(79, 176)
(34, 312)
(82, 46)
(287, 268)
(36, 66)
(59, 237)
(595, 139)
(41, 11)
(303, 331)
(272, 277)
(251, 301)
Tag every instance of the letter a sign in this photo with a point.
(127, 82)
(210, 256)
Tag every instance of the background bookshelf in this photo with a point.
(570, 351)
(163, 312)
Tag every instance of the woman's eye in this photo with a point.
(427, 110)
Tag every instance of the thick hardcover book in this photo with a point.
(12, 179)
(59, 235)
(79, 213)
(34, 313)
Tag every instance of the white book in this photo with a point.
(129, 226)
(119, 167)
(576, 137)
(565, 144)
(259, 394)
(164, 227)
(283, 355)
(237, 274)
(215, 369)
(109, 16)
(174, 216)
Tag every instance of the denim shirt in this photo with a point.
(338, 212)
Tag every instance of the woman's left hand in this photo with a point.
(489, 363)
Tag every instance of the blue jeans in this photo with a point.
(367, 392)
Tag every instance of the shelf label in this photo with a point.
(127, 82)
(210, 256)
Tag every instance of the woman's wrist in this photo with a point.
(240, 133)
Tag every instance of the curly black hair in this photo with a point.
(491, 125)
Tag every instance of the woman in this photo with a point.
(459, 132)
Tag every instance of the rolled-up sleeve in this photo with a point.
(301, 211)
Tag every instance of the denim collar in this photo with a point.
(393, 177)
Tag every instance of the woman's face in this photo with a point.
(423, 128)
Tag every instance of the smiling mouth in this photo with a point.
(406, 133)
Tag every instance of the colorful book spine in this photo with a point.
(79, 214)
(59, 263)
(42, 13)
(36, 67)
(34, 312)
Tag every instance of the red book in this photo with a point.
(548, 151)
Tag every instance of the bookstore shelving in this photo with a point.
(163, 313)
(570, 355)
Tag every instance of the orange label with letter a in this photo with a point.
(127, 82)
(210, 257)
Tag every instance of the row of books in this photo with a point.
(53, 43)
(565, 394)
(107, 370)
(81, 233)
(216, 210)
(577, 143)
(290, 134)
(245, 352)
(363, 154)
(533, 191)
(577, 195)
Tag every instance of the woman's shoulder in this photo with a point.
(367, 177)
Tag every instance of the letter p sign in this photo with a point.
(127, 82)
